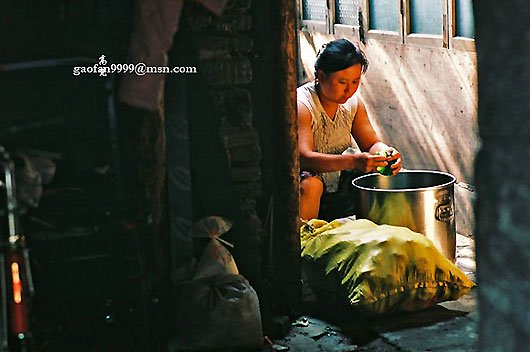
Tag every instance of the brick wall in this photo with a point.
(224, 45)
(246, 58)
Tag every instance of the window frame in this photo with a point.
(404, 36)
(378, 34)
(344, 29)
(420, 38)
(312, 25)
(455, 42)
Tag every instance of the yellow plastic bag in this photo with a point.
(378, 268)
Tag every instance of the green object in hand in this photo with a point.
(386, 170)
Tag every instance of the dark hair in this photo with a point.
(338, 55)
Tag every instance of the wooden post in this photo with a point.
(286, 198)
(142, 144)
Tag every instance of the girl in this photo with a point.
(329, 115)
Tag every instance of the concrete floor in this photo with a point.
(449, 326)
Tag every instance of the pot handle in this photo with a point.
(444, 209)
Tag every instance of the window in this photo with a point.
(447, 23)
(315, 15)
(383, 15)
(424, 22)
(346, 17)
(382, 19)
(462, 25)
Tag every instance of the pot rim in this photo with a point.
(440, 186)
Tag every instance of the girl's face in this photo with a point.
(339, 86)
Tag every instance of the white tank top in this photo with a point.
(329, 136)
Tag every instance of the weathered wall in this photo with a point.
(421, 100)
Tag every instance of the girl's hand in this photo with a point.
(396, 166)
(367, 162)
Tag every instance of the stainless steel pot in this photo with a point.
(421, 200)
